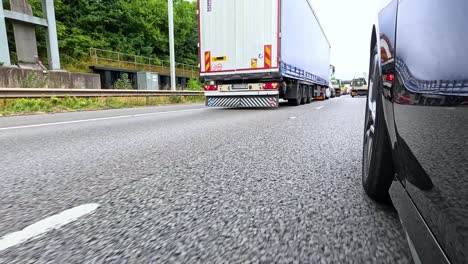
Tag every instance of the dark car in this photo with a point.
(415, 151)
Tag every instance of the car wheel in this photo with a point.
(377, 164)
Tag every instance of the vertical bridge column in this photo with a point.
(4, 50)
(52, 39)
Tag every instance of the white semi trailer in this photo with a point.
(254, 52)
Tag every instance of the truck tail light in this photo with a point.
(211, 88)
(270, 86)
(389, 77)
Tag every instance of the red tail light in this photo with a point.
(389, 78)
(211, 88)
(270, 86)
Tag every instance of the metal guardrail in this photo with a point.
(130, 61)
(6, 93)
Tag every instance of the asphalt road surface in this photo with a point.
(187, 184)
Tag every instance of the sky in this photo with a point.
(348, 26)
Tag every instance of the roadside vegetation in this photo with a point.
(123, 83)
(194, 84)
(133, 27)
(70, 104)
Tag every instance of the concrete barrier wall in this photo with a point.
(23, 78)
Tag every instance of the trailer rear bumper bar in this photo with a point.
(257, 99)
(359, 92)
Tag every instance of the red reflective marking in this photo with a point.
(211, 88)
(405, 98)
(272, 85)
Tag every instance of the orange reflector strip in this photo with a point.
(267, 56)
(207, 61)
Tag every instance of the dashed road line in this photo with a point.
(98, 119)
(38, 229)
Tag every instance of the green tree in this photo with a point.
(134, 27)
(123, 83)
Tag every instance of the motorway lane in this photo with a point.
(207, 185)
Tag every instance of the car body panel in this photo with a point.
(419, 235)
(431, 120)
(422, 47)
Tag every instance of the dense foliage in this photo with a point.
(128, 26)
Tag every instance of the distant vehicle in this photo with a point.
(415, 136)
(256, 65)
(359, 87)
(336, 83)
(328, 93)
(332, 91)
(347, 88)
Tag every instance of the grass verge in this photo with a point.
(70, 104)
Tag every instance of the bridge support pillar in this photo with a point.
(4, 50)
(52, 39)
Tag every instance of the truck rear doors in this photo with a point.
(238, 36)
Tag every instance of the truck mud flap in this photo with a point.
(243, 102)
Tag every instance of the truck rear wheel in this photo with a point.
(298, 93)
(303, 93)
(294, 102)
(303, 99)
(308, 96)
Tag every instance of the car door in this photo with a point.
(431, 116)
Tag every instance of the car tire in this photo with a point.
(377, 163)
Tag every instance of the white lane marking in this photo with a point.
(40, 228)
(99, 119)
(292, 117)
(320, 107)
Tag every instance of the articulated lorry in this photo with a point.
(254, 52)
(337, 86)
